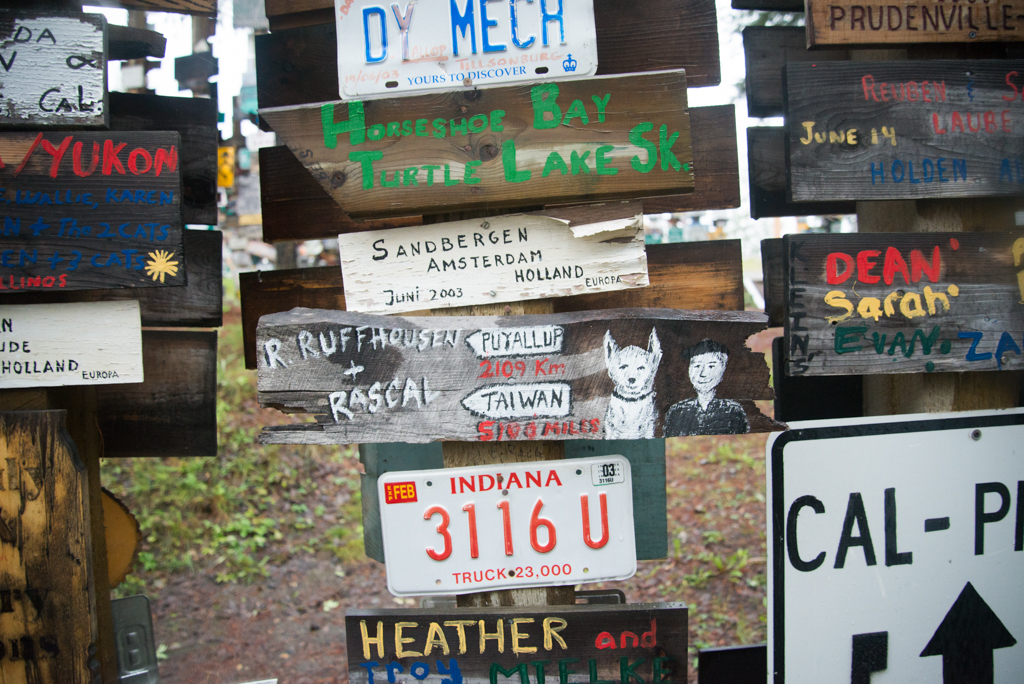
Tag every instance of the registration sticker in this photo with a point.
(399, 492)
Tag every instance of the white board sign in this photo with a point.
(418, 46)
(53, 69)
(897, 549)
(50, 345)
(507, 525)
(497, 259)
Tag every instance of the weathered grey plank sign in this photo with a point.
(619, 374)
(584, 140)
(553, 253)
(905, 130)
(645, 641)
(48, 617)
(89, 210)
(903, 303)
(54, 69)
(850, 22)
(49, 345)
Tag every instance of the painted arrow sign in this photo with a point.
(582, 140)
(613, 374)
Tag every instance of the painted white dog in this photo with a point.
(631, 410)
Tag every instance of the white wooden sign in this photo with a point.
(53, 69)
(497, 259)
(50, 345)
(897, 549)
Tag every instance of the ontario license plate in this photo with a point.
(461, 530)
(417, 46)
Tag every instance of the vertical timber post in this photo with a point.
(461, 454)
(935, 392)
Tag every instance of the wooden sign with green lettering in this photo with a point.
(850, 22)
(644, 642)
(903, 303)
(612, 374)
(590, 139)
(904, 130)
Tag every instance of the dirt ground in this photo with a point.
(291, 625)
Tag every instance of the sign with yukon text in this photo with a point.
(47, 606)
(54, 69)
(49, 345)
(904, 130)
(427, 45)
(507, 526)
(510, 645)
(848, 22)
(88, 211)
(498, 259)
(903, 303)
(896, 549)
(571, 141)
(614, 374)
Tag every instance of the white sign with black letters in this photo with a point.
(53, 69)
(497, 259)
(51, 345)
(897, 549)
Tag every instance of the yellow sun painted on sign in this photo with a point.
(160, 265)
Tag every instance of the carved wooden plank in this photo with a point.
(766, 164)
(128, 42)
(769, 5)
(197, 305)
(196, 120)
(926, 128)
(90, 211)
(589, 375)
(55, 69)
(814, 397)
(497, 146)
(297, 62)
(653, 638)
(296, 207)
(845, 22)
(509, 258)
(174, 411)
(49, 615)
(765, 50)
(695, 275)
(51, 345)
(196, 7)
(903, 303)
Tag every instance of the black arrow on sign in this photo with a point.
(966, 638)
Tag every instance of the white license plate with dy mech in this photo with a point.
(419, 46)
(502, 526)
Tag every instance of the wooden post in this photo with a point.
(935, 392)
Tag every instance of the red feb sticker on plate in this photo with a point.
(399, 492)
(510, 525)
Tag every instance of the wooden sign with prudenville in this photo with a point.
(646, 642)
(575, 250)
(903, 303)
(848, 22)
(905, 130)
(47, 609)
(619, 374)
(90, 211)
(55, 69)
(573, 141)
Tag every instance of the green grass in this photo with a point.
(249, 507)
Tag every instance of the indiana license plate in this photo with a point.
(417, 46)
(502, 526)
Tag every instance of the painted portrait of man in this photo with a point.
(706, 414)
